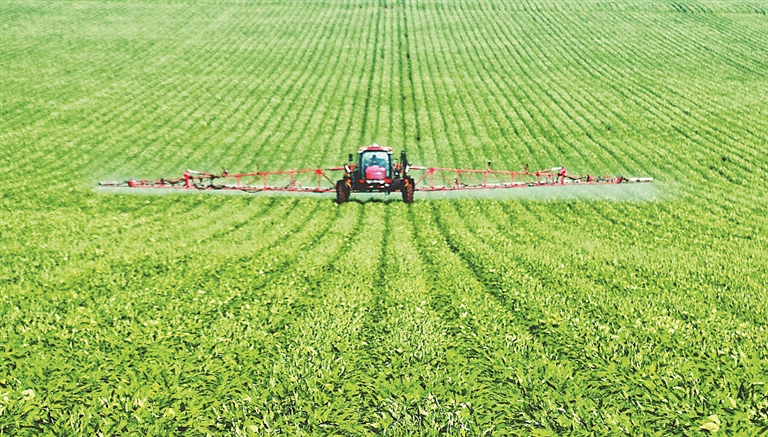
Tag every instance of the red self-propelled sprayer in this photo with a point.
(375, 171)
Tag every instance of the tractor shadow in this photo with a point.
(374, 200)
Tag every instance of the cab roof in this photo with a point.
(374, 148)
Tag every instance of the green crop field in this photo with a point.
(618, 312)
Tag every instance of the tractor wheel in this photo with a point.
(342, 191)
(408, 191)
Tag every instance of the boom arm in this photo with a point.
(430, 179)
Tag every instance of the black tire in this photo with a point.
(408, 190)
(342, 192)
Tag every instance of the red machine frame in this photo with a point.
(432, 179)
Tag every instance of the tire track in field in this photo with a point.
(386, 82)
(433, 137)
(441, 136)
(332, 330)
(393, 87)
(378, 75)
(346, 353)
(379, 300)
(403, 342)
(322, 138)
(394, 328)
(440, 303)
(397, 130)
(345, 117)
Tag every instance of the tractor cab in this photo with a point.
(375, 166)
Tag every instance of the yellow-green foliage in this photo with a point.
(200, 314)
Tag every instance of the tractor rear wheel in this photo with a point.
(408, 191)
(342, 191)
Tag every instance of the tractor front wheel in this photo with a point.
(408, 191)
(342, 191)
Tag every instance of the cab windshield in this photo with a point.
(380, 159)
